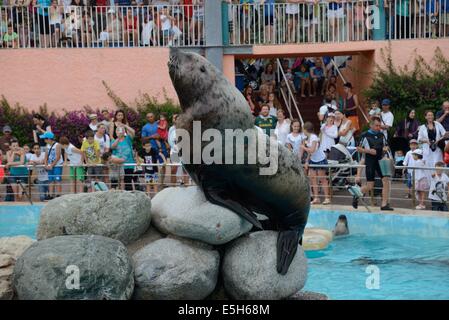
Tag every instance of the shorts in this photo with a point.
(54, 175)
(53, 27)
(269, 20)
(372, 167)
(151, 178)
(77, 172)
(322, 162)
(336, 14)
(43, 24)
(14, 179)
(94, 173)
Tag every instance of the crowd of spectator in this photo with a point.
(86, 23)
(108, 155)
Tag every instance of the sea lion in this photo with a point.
(341, 226)
(206, 95)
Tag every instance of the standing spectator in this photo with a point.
(269, 14)
(265, 121)
(407, 129)
(43, 22)
(131, 24)
(53, 163)
(75, 157)
(373, 145)
(421, 178)
(350, 105)
(106, 119)
(289, 80)
(115, 168)
(40, 127)
(93, 124)
(55, 22)
(6, 139)
(122, 148)
(315, 156)
(336, 15)
(119, 120)
(196, 27)
(181, 176)
(438, 188)
(150, 133)
(113, 31)
(409, 161)
(442, 115)
(430, 134)
(387, 117)
(345, 129)
(91, 152)
(162, 131)
(268, 78)
(292, 12)
(329, 132)
(103, 139)
(282, 127)
(38, 159)
(18, 175)
(149, 157)
(295, 138)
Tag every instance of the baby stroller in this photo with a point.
(339, 154)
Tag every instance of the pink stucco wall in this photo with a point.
(71, 78)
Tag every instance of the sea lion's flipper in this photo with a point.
(223, 199)
(287, 245)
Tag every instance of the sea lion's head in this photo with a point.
(341, 227)
(193, 76)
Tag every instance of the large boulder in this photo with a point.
(249, 269)
(74, 267)
(185, 212)
(120, 215)
(11, 248)
(151, 235)
(175, 269)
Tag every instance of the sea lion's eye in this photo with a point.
(203, 69)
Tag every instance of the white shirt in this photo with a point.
(319, 154)
(282, 131)
(438, 188)
(295, 141)
(74, 158)
(292, 8)
(387, 119)
(273, 111)
(408, 160)
(104, 142)
(93, 127)
(421, 173)
(329, 134)
(166, 23)
(42, 174)
(147, 30)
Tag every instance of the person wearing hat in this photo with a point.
(443, 115)
(53, 163)
(409, 161)
(387, 117)
(6, 138)
(329, 132)
(422, 178)
(93, 122)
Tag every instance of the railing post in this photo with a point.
(413, 189)
(29, 184)
(74, 177)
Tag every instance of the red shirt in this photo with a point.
(130, 25)
(188, 8)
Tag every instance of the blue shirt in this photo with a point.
(269, 7)
(43, 9)
(150, 129)
(124, 150)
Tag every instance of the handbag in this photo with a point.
(387, 165)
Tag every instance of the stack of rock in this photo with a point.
(122, 245)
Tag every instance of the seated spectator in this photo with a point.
(265, 121)
(273, 104)
(438, 188)
(375, 111)
(74, 157)
(11, 38)
(290, 77)
(318, 78)
(253, 105)
(18, 175)
(332, 92)
(268, 78)
(91, 152)
(38, 159)
(262, 97)
(6, 139)
(304, 78)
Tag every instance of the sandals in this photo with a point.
(327, 201)
(315, 201)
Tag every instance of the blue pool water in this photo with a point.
(410, 254)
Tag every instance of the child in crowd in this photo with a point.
(138, 172)
(38, 158)
(75, 157)
(304, 77)
(162, 131)
(91, 152)
(295, 138)
(398, 161)
(409, 161)
(421, 178)
(375, 111)
(438, 188)
(289, 76)
(116, 171)
(150, 156)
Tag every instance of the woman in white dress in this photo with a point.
(282, 129)
(429, 134)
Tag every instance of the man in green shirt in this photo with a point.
(265, 121)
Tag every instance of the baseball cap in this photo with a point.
(7, 129)
(93, 116)
(47, 135)
(386, 102)
(413, 141)
(331, 114)
(418, 152)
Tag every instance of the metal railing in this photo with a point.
(315, 21)
(101, 26)
(332, 179)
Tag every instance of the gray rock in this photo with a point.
(308, 295)
(249, 269)
(49, 269)
(185, 212)
(119, 215)
(148, 237)
(15, 246)
(174, 269)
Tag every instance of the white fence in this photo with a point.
(101, 26)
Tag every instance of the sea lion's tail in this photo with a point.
(287, 245)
